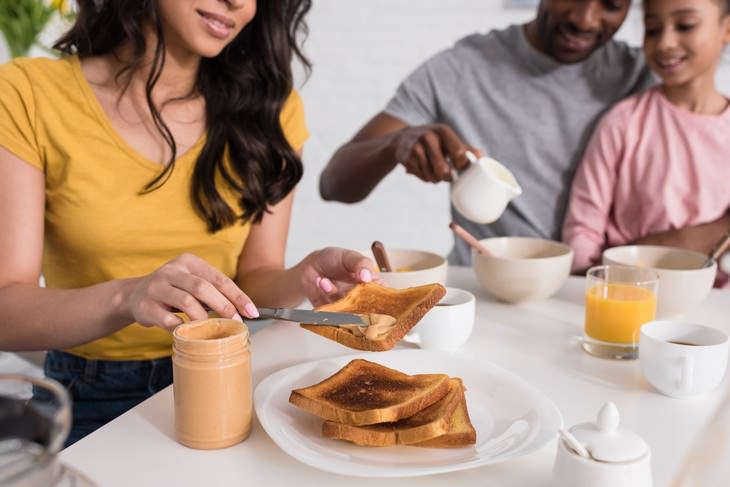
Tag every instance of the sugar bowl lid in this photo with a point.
(606, 441)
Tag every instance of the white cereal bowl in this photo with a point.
(413, 267)
(683, 281)
(522, 268)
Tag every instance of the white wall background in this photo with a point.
(360, 52)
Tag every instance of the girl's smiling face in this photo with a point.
(684, 39)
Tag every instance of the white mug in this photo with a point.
(448, 325)
(483, 190)
(683, 359)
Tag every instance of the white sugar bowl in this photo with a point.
(602, 454)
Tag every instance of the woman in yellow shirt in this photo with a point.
(151, 170)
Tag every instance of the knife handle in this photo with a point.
(268, 314)
(381, 257)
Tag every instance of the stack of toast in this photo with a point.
(401, 309)
(372, 405)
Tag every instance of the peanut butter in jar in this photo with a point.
(212, 383)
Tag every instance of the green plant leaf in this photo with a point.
(22, 21)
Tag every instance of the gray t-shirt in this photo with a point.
(523, 109)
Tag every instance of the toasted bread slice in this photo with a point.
(460, 432)
(406, 305)
(364, 392)
(429, 423)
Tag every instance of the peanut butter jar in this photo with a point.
(212, 383)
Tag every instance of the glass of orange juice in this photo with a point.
(619, 299)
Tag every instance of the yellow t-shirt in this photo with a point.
(97, 225)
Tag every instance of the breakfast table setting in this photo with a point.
(526, 375)
(510, 372)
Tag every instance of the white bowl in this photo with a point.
(413, 268)
(683, 282)
(522, 268)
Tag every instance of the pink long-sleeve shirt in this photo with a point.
(649, 167)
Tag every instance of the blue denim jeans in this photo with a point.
(101, 390)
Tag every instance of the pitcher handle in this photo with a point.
(455, 173)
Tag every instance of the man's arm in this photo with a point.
(359, 165)
(384, 142)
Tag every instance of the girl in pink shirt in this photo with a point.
(658, 163)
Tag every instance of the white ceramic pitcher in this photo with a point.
(482, 191)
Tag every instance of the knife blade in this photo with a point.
(311, 317)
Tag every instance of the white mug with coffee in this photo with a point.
(448, 325)
(482, 191)
(683, 359)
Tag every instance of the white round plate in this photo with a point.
(511, 417)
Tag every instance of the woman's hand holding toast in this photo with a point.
(327, 274)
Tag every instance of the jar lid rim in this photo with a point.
(234, 330)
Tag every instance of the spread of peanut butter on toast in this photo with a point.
(380, 305)
(376, 327)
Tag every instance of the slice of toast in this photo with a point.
(364, 392)
(427, 424)
(460, 432)
(406, 305)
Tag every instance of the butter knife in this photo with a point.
(311, 317)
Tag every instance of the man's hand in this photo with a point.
(431, 152)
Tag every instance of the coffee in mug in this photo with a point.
(683, 359)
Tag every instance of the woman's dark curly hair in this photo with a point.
(244, 87)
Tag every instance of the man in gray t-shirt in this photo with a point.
(527, 96)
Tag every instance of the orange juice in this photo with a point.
(614, 312)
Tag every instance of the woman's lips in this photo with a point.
(216, 25)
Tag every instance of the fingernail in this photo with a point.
(237, 317)
(326, 286)
(366, 275)
(251, 310)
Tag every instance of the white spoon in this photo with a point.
(718, 249)
(574, 444)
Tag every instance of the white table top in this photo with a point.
(538, 341)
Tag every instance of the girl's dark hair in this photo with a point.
(244, 87)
